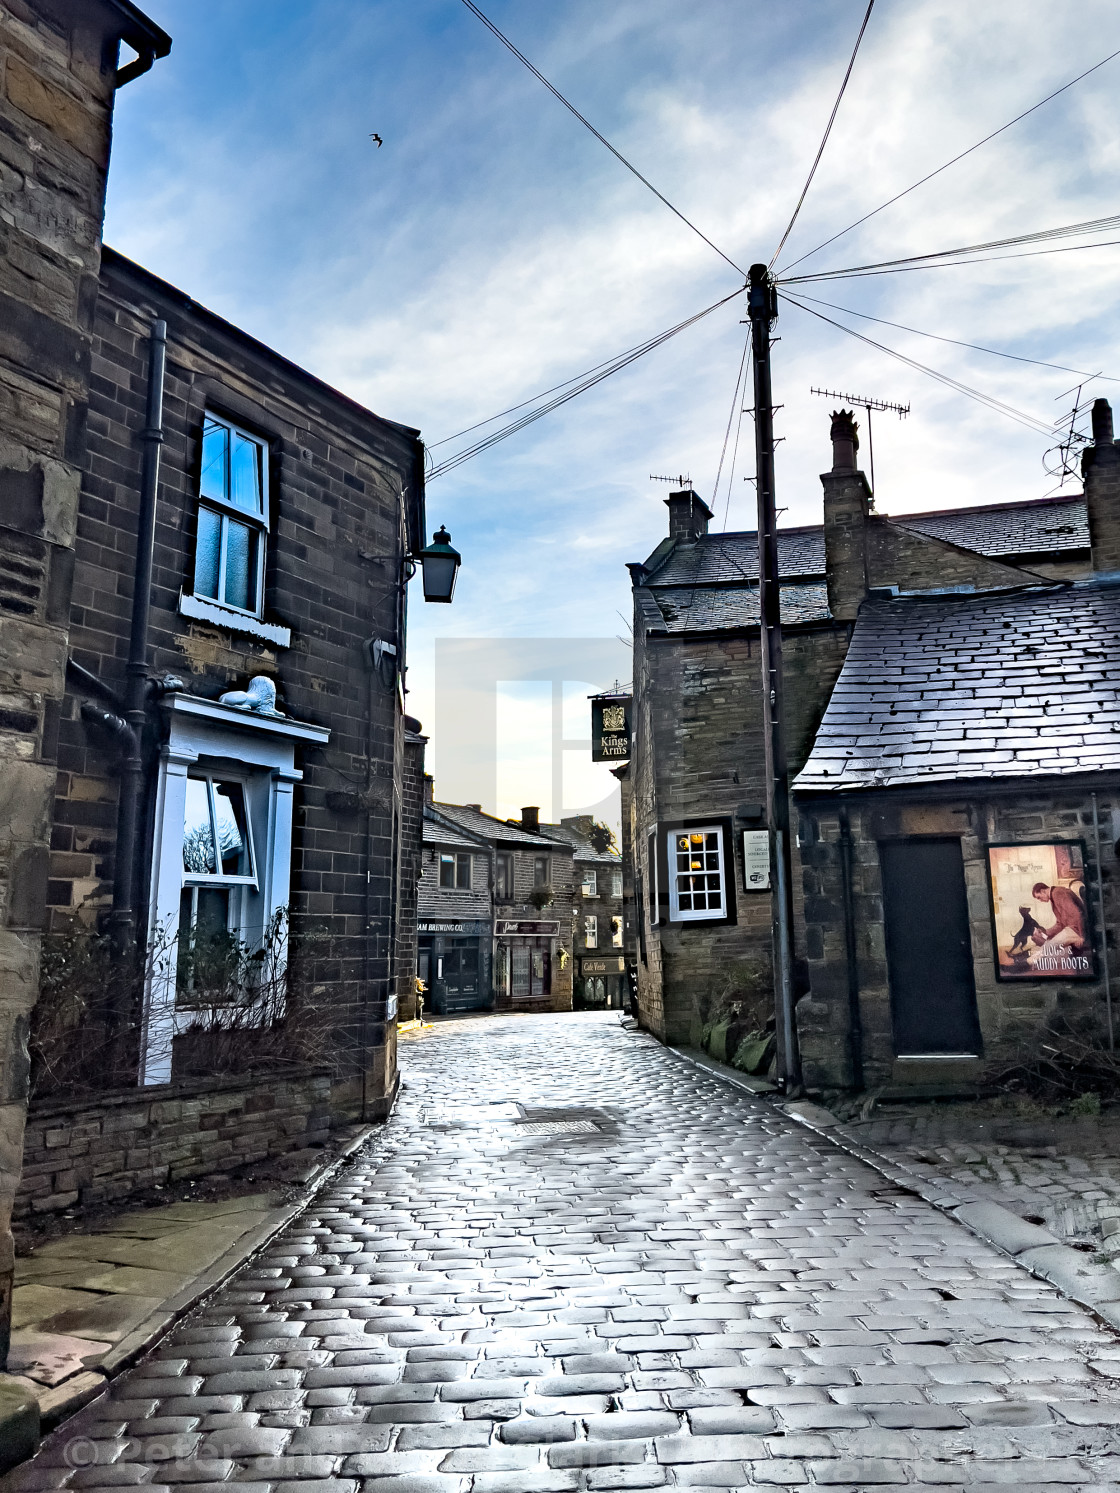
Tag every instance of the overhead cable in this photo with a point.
(571, 389)
(934, 260)
(505, 41)
(824, 137)
(736, 404)
(992, 352)
(998, 405)
(931, 174)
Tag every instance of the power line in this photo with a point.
(930, 175)
(573, 388)
(953, 341)
(824, 137)
(505, 41)
(736, 403)
(998, 405)
(924, 261)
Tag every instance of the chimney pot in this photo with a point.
(531, 819)
(845, 441)
(1102, 422)
(688, 515)
(429, 788)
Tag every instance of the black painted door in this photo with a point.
(929, 950)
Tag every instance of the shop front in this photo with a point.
(524, 954)
(603, 979)
(453, 962)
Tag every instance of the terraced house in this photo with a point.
(700, 867)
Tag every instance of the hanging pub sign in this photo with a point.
(1040, 912)
(610, 727)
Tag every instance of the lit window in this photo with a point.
(232, 517)
(696, 881)
(589, 884)
(591, 932)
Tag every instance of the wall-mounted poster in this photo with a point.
(1040, 912)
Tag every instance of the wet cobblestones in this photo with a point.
(699, 1293)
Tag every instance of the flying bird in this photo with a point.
(376, 140)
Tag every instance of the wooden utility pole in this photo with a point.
(762, 308)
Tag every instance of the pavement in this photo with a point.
(573, 1260)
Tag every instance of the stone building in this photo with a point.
(598, 927)
(533, 896)
(275, 743)
(59, 71)
(959, 815)
(696, 782)
(456, 917)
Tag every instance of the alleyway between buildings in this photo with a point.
(572, 1260)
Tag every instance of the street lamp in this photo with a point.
(440, 564)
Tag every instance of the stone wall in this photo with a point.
(699, 753)
(337, 532)
(83, 1152)
(57, 81)
(1012, 1013)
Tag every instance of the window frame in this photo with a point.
(591, 930)
(464, 860)
(589, 883)
(540, 861)
(227, 511)
(503, 860)
(210, 776)
(677, 914)
(446, 863)
(616, 884)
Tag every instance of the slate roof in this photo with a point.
(583, 849)
(989, 686)
(449, 839)
(1033, 528)
(729, 558)
(696, 609)
(490, 828)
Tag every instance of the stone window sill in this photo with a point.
(211, 611)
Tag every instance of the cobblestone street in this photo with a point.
(575, 1261)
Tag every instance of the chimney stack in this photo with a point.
(1100, 473)
(531, 820)
(429, 788)
(847, 509)
(688, 515)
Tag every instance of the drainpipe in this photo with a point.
(855, 1020)
(1104, 930)
(122, 920)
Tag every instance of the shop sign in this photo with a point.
(505, 928)
(467, 927)
(1040, 912)
(756, 860)
(610, 727)
(603, 966)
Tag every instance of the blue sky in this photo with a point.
(491, 248)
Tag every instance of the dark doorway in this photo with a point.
(457, 986)
(929, 951)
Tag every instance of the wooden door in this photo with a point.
(929, 949)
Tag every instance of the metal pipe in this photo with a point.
(762, 309)
(1104, 930)
(122, 920)
(855, 1018)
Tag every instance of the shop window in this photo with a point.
(540, 870)
(232, 517)
(590, 884)
(503, 876)
(591, 932)
(696, 874)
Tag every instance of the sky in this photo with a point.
(491, 248)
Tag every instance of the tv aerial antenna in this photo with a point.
(865, 402)
(682, 482)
